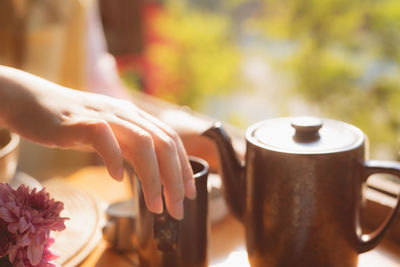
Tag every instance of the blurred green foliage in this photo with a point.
(198, 58)
(344, 55)
(346, 58)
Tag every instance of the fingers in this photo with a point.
(187, 173)
(98, 135)
(170, 170)
(138, 148)
(169, 165)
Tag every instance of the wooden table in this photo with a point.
(227, 237)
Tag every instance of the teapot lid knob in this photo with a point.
(306, 129)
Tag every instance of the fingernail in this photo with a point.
(120, 173)
(177, 210)
(190, 189)
(117, 173)
(156, 205)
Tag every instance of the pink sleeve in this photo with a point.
(101, 67)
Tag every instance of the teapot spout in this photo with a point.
(232, 170)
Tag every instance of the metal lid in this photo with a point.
(305, 135)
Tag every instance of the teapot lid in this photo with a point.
(305, 135)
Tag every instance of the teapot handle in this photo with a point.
(369, 241)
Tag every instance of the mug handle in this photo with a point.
(369, 241)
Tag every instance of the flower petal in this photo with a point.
(13, 228)
(12, 253)
(35, 249)
(6, 215)
(22, 225)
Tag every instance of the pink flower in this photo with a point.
(6, 239)
(26, 219)
(22, 259)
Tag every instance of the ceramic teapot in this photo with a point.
(299, 191)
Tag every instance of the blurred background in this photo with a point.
(242, 61)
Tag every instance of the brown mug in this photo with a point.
(299, 192)
(163, 241)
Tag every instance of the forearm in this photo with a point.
(21, 104)
(13, 94)
(6, 91)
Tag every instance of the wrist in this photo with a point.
(5, 101)
(14, 95)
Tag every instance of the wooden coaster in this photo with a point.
(83, 229)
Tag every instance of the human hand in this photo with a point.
(56, 116)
